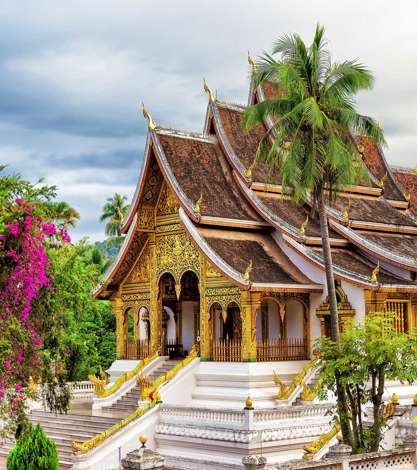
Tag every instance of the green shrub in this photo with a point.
(33, 451)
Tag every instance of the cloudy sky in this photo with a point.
(72, 75)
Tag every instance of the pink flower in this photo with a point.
(18, 387)
(48, 229)
(19, 200)
(13, 228)
(64, 235)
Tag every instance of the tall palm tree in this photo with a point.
(315, 118)
(114, 211)
(311, 142)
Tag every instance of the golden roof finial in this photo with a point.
(249, 171)
(197, 205)
(407, 195)
(361, 149)
(146, 115)
(251, 62)
(246, 275)
(208, 90)
(382, 180)
(346, 211)
(304, 226)
(375, 272)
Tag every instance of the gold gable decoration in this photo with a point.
(167, 204)
(344, 309)
(140, 272)
(145, 218)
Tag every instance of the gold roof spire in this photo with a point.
(197, 205)
(148, 117)
(246, 275)
(345, 213)
(208, 90)
(303, 227)
(375, 272)
(251, 62)
(382, 180)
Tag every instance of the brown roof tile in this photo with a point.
(408, 181)
(403, 245)
(200, 167)
(378, 168)
(245, 144)
(372, 210)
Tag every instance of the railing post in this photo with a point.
(250, 305)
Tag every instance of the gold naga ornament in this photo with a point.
(304, 226)
(207, 89)
(374, 276)
(197, 205)
(381, 181)
(249, 171)
(148, 117)
(346, 211)
(251, 62)
(246, 275)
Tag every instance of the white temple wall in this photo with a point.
(315, 331)
(171, 330)
(273, 320)
(187, 309)
(294, 319)
(356, 297)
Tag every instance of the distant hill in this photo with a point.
(110, 247)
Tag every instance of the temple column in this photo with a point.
(206, 328)
(117, 307)
(250, 306)
(154, 314)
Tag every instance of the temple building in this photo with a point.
(216, 254)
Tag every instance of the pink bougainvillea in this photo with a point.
(24, 260)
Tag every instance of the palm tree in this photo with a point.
(311, 141)
(114, 211)
(61, 212)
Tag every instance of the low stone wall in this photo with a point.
(399, 459)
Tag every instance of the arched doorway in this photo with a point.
(129, 333)
(189, 315)
(168, 311)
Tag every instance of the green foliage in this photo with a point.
(114, 211)
(311, 142)
(33, 451)
(81, 333)
(367, 355)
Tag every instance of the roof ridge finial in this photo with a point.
(346, 211)
(148, 117)
(246, 275)
(197, 205)
(251, 62)
(304, 226)
(207, 89)
(381, 181)
(375, 272)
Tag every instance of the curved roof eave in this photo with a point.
(372, 249)
(354, 278)
(117, 261)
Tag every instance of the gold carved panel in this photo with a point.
(167, 203)
(223, 296)
(145, 218)
(141, 270)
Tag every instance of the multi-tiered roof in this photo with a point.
(234, 211)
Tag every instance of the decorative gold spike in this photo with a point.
(146, 115)
(304, 226)
(407, 196)
(346, 211)
(361, 149)
(208, 90)
(251, 62)
(197, 205)
(375, 272)
(382, 180)
(246, 275)
(249, 171)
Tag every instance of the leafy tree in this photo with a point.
(114, 211)
(63, 214)
(33, 451)
(311, 141)
(367, 355)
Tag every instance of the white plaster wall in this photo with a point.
(273, 320)
(187, 309)
(356, 297)
(171, 330)
(294, 319)
(142, 328)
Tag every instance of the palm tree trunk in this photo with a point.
(327, 255)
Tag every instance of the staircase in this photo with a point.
(129, 401)
(64, 429)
